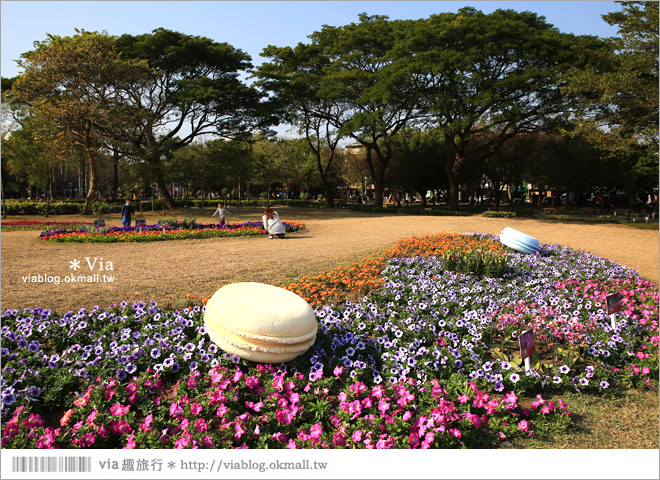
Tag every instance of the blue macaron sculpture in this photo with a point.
(519, 241)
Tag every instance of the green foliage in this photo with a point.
(188, 222)
(100, 208)
(32, 207)
(653, 225)
(193, 79)
(415, 210)
(72, 87)
(620, 95)
(171, 221)
(505, 63)
(482, 262)
(507, 214)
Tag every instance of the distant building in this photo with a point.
(354, 148)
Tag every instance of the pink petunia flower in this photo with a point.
(201, 425)
(283, 416)
(87, 440)
(65, 418)
(280, 437)
(315, 431)
(383, 405)
(117, 410)
(338, 439)
(130, 443)
(182, 442)
(82, 401)
(207, 442)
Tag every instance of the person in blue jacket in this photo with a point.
(126, 212)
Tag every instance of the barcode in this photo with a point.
(51, 464)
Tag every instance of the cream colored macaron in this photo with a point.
(260, 322)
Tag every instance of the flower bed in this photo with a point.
(10, 226)
(427, 360)
(150, 233)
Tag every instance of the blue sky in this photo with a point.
(250, 25)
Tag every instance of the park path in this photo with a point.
(156, 270)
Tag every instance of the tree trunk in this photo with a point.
(91, 159)
(49, 194)
(450, 161)
(89, 198)
(115, 173)
(4, 200)
(160, 181)
(496, 193)
(329, 194)
(81, 178)
(239, 193)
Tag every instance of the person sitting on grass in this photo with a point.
(272, 223)
(222, 212)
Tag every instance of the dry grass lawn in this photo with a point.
(155, 270)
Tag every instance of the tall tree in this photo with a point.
(358, 76)
(296, 78)
(71, 84)
(621, 98)
(193, 89)
(415, 166)
(494, 75)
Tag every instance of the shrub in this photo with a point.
(508, 214)
(408, 210)
(481, 262)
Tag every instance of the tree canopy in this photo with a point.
(433, 103)
(193, 88)
(494, 75)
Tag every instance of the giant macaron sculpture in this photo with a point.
(260, 322)
(518, 241)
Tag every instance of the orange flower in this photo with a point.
(364, 276)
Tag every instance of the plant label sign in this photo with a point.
(140, 223)
(613, 303)
(99, 223)
(527, 344)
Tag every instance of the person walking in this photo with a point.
(273, 224)
(221, 212)
(126, 211)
